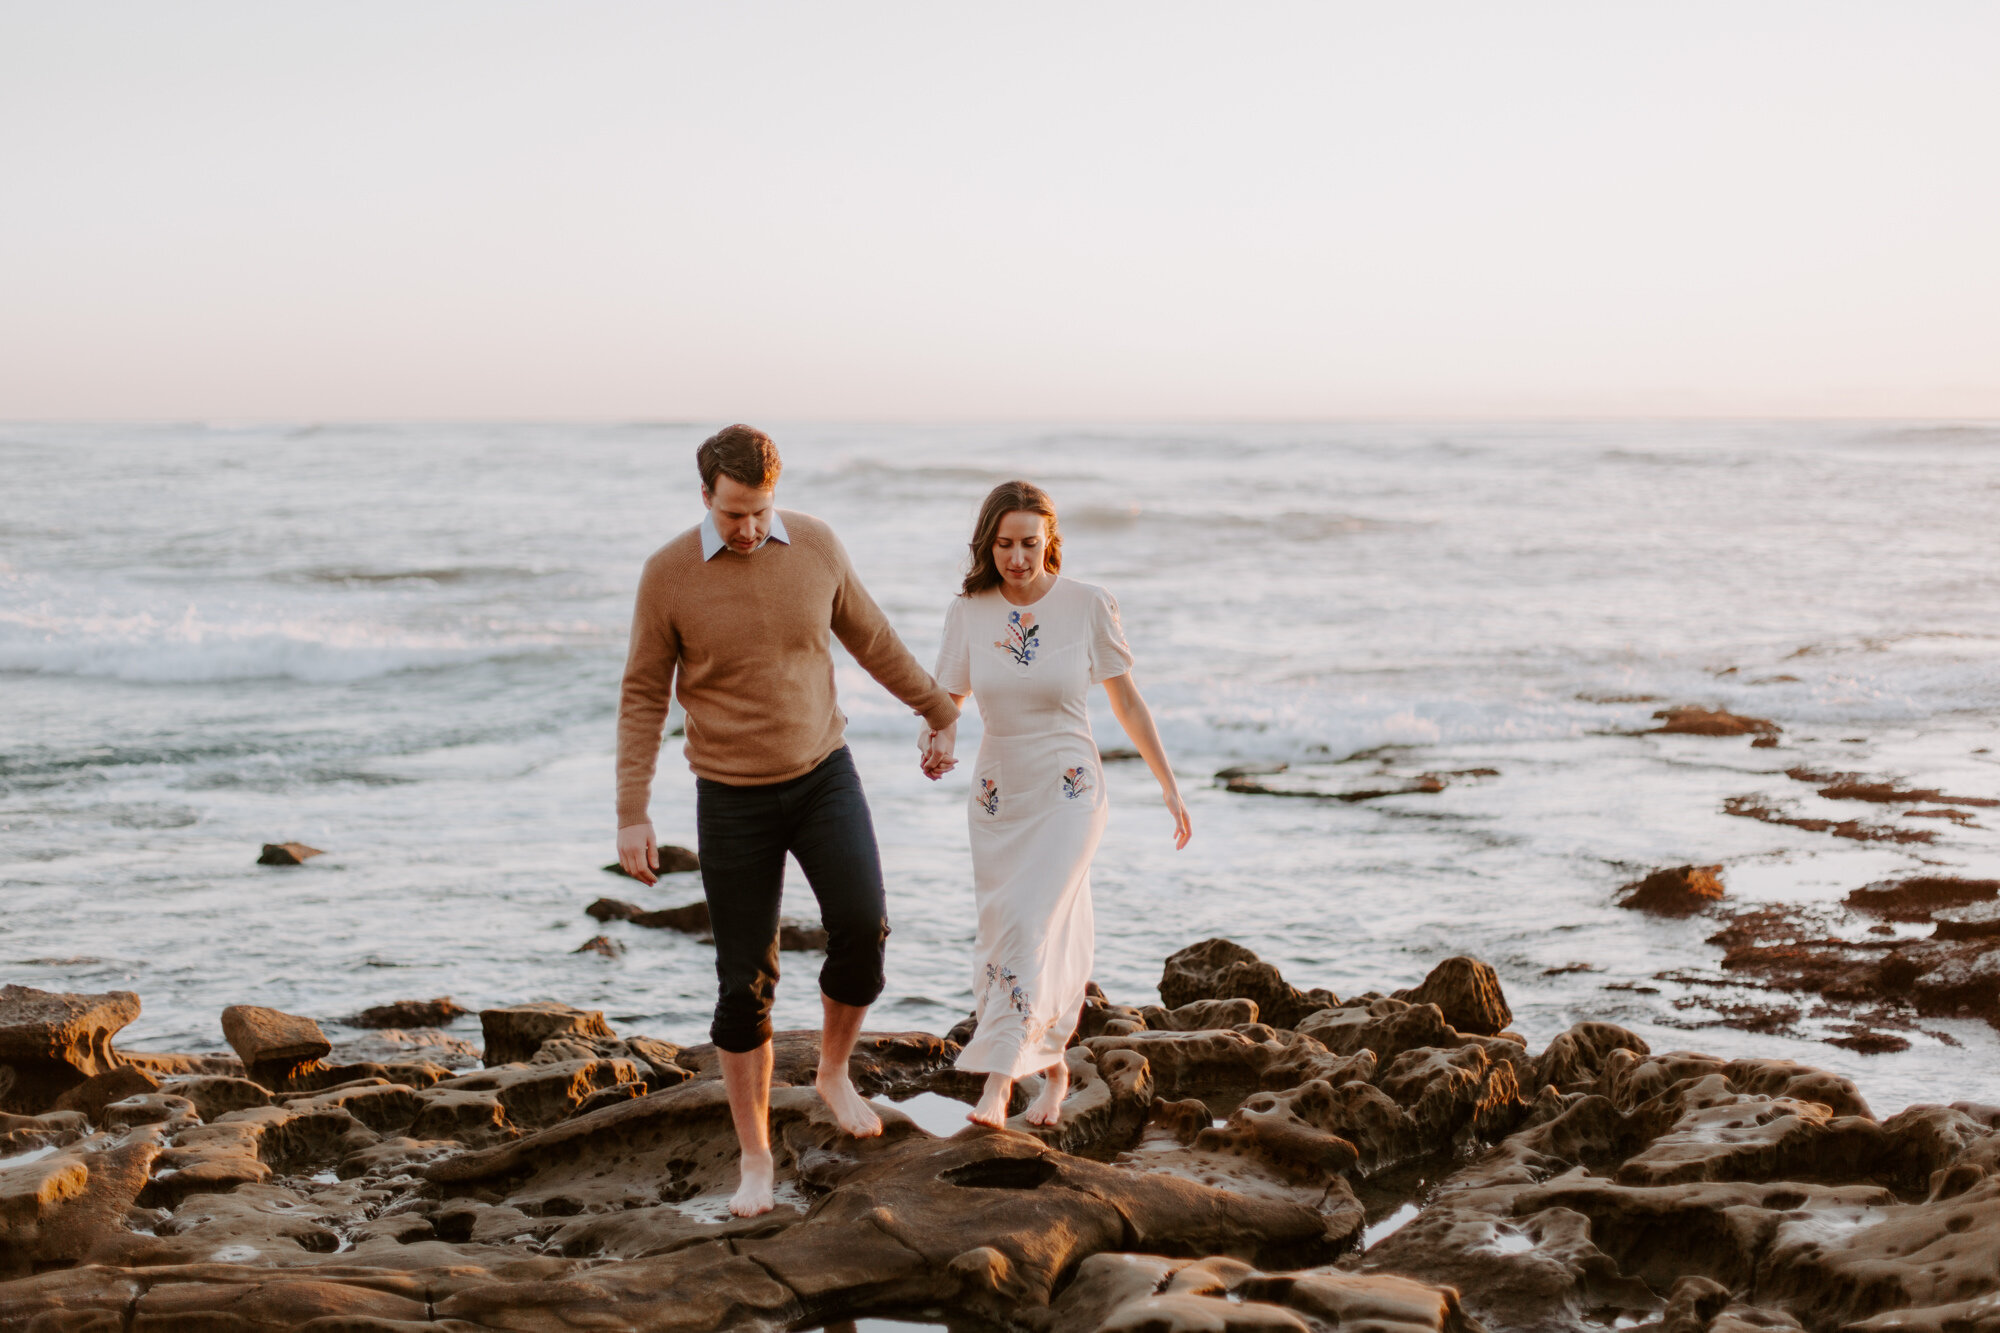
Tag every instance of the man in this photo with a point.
(733, 619)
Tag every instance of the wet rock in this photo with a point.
(1223, 1066)
(1199, 1015)
(884, 1064)
(673, 861)
(274, 1045)
(1108, 1104)
(514, 1033)
(1694, 720)
(691, 919)
(1386, 1026)
(536, 1095)
(1756, 807)
(1855, 787)
(114, 1085)
(1125, 1293)
(287, 854)
(51, 1041)
(1221, 969)
(1575, 1058)
(71, 1205)
(1467, 992)
(1679, 891)
(1979, 921)
(800, 936)
(602, 945)
(612, 909)
(1916, 898)
(169, 1064)
(390, 1046)
(437, 1013)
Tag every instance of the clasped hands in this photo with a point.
(935, 750)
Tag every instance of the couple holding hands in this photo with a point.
(733, 619)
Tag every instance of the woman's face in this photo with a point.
(1017, 548)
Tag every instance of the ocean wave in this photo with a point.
(147, 649)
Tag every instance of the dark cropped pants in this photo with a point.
(822, 819)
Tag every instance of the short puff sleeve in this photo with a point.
(954, 663)
(1109, 657)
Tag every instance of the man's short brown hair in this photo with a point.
(741, 453)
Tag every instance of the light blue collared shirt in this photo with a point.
(711, 540)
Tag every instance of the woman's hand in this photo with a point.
(1183, 826)
(936, 751)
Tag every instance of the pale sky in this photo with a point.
(841, 210)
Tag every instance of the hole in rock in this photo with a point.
(1003, 1173)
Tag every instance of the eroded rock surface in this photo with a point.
(1214, 1170)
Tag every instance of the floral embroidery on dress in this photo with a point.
(989, 796)
(1023, 637)
(1076, 781)
(1018, 1000)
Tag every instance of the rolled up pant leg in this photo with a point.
(833, 837)
(742, 833)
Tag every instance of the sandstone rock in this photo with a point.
(274, 1045)
(1199, 1016)
(602, 945)
(173, 1064)
(52, 1041)
(516, 1032)
(1127, 1293)
(287, 854)
(1467, 992)
(1576, 1056)
(1680, 891)
(69, 1206)
(396, 1046)
(93, 1094)
(1385, 1026)
(884, 1064)
(800, 936)
(1694, 720)
(1224, 970)
(535, 1095)
(437, 1013)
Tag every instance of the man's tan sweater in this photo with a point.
(747, 637)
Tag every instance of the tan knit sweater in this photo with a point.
(747, 637)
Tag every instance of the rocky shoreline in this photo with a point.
(1243, 1154)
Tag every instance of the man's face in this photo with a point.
(742, 513)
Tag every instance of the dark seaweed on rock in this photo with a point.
(1209, 1174)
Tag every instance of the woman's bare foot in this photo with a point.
(753, 1195)
(1046, 1109)
(854, 1115)
(992, 1108)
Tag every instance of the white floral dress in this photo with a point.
(1037, 809)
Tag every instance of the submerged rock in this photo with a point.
(1694, 720)
(1679, 891)
(437, 1013)
(287, 854)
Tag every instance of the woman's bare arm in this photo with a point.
(1129, 707)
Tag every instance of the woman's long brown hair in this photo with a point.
(1011, 497)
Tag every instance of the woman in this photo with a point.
(1028, 644)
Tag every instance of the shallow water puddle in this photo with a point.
(32, 1155)
(1389, 1225)
(935, 1113)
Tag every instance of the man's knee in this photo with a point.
(743, 1004)
(856, 949)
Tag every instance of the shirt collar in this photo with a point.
(711, 540)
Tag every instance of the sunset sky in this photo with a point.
(938, 211)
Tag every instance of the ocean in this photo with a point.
(402, 644)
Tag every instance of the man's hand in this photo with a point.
(638, 854)
(937, 748)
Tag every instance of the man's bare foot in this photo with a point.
(1046, 1109)
(753, 1195)
(992, 1108)
(850, 1112)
